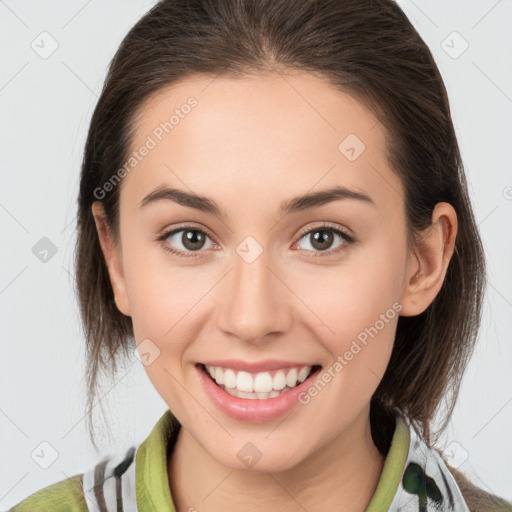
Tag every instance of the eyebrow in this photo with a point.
(296, 204)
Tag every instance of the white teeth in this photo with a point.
(244, 382)
(253, 396)
(219, 376)
(291, 378)
(279, 381)
(303, 374)
(258, 385)
(263, 382)
(229, 378)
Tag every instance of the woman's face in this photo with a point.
(262, 278)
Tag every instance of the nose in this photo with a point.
(255, 301)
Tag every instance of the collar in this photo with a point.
(414, 478)
(426, 480)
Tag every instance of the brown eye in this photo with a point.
(322, 239)
(193, 239)
(185, 241)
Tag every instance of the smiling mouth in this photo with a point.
(268, 386)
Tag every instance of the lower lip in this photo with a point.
(253, 410)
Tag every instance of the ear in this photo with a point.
(113, 258)
(428, 264)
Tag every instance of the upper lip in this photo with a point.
(256, 366)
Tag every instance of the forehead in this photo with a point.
(268, 134)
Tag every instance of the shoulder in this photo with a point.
(477, 499)
(108, 485)
(426, 472)
(65, 495)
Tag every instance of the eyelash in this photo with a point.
(347, 240)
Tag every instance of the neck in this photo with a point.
(341, 475)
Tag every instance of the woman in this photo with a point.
(273, 210)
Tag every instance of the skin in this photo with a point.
(250, 144)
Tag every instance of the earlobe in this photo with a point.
(112, 255)
(428, 265)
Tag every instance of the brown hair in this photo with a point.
(368, 49)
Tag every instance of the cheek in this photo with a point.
(160, 307)
(356, 306)
(358, 328)
(160, 292)
(162, 299)
(352, 296)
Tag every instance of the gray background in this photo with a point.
(45, 108)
